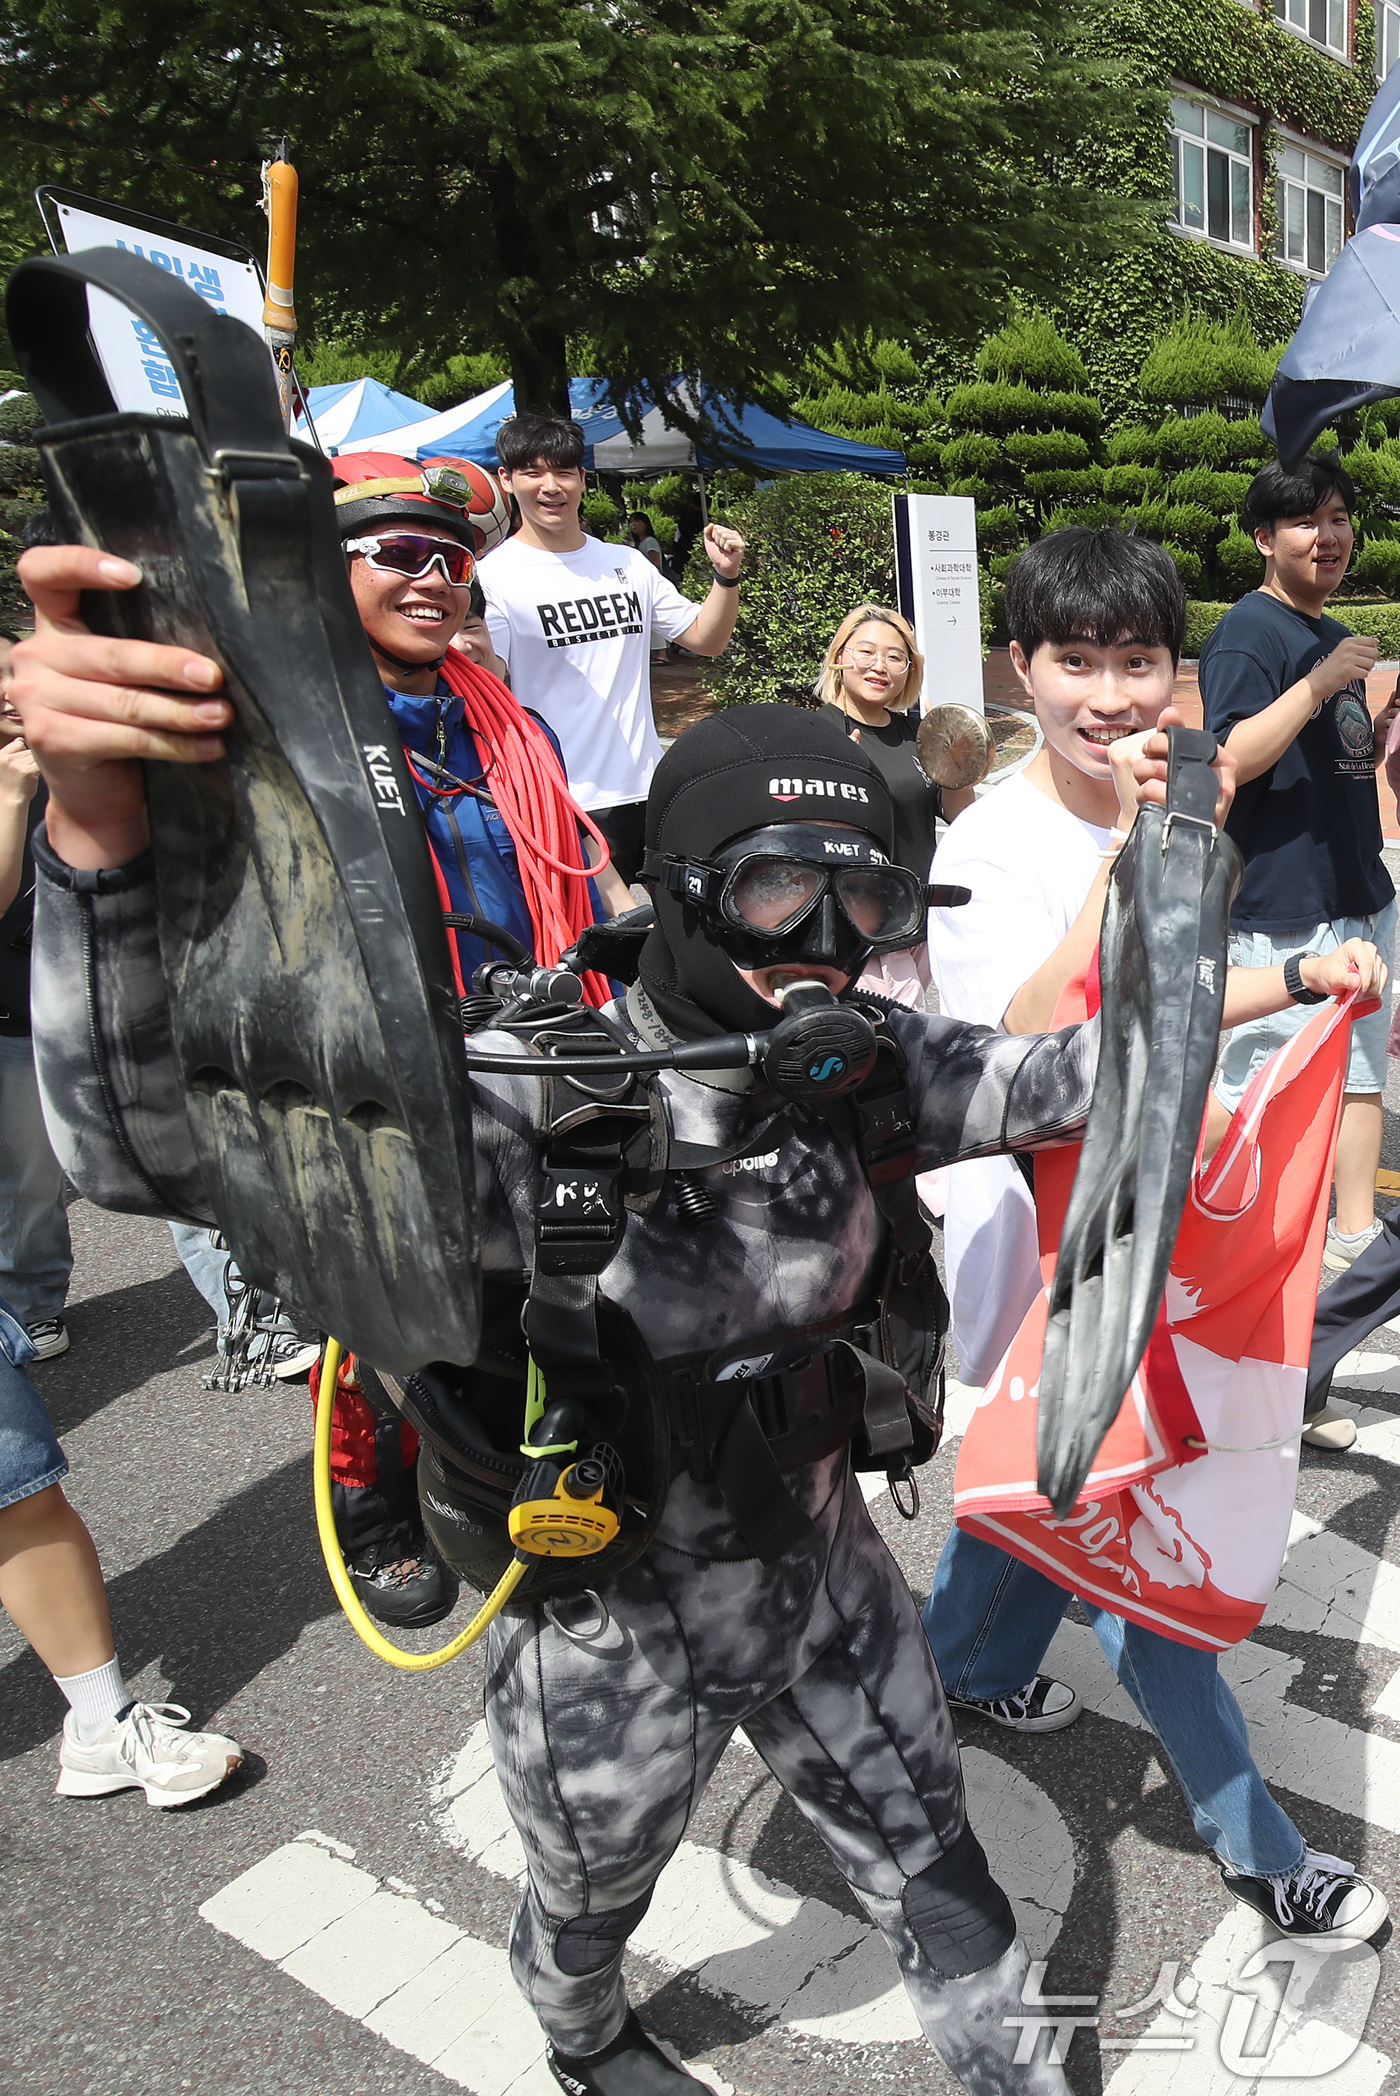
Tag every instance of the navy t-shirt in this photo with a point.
(1310, 826)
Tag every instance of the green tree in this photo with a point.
(691, 186)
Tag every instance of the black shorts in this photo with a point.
(624, 826)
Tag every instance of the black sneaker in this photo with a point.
(50, 1337)
(1042, 1705)
(1322, 1897)
(631, 2066)
(408, 1591)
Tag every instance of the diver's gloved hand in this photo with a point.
(631, 2066)
(1162, 963)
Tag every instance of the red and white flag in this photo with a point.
(1184, 1518)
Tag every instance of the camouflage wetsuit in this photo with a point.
(603, 1746)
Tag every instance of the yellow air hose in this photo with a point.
(360, 1622)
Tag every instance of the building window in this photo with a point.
(1213, 170)
(1387, 36)
(1321, 21)
(1310, 193)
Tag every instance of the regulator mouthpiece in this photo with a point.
(819, 1048)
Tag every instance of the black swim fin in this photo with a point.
(1162, 963)
(310, 988)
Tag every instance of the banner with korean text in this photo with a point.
(138, 372)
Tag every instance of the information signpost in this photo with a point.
(935, 539)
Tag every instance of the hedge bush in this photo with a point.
(1198, 362)
(599, 510)
(1073, 485)
(1189, 525)
(973, 485)
(1133, 445)
(1031, 351)
(1221, 493)
(1189, 565)
(1201, 621)
(1132, 484)
(802, 574)
(1194, 440)
(1043, 450)
(1381, 621)
(19, 418)
(1001, 526)
(1247, 443)
(22, 496)
(1240, 561)
(974, 454)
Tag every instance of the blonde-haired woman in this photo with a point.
(870, 679)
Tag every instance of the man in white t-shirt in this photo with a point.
(1097, 620)
(574, 620)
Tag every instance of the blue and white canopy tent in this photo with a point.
(747, 437)
(1346, 351)
(359, 408)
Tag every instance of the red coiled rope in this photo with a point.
(526, 781)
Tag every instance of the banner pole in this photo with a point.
(279, 180)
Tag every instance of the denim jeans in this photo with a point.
(30, 1457)
(989, 1620)
(36, 1254)
(205, 1266)
(1248, 1047)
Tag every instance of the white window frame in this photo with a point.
(1298, 17)
(1297, 216)
(1200, 147)
(1387, 35)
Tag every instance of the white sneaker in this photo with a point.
(1339, 1252)
(149, 1750)
(1330, 1428)
(49, 1336)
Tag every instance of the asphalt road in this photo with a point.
(351, 1960)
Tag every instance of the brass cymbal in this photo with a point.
(954, 745)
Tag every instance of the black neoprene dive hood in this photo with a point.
(745, 769)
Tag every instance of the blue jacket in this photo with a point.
(490, 885)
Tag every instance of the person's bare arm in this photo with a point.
(1261, 740)
(1032, 1008)
(1139, 773)
(613, 891)
(1255, 993)
(19, 775)
(1383, 723)
(93, 708)
(710, 630)
(955, 799)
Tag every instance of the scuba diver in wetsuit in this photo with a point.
(764, 1597)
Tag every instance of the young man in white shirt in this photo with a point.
(574, 621)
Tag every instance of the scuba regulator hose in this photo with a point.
(360, 1621)
(818, 1049)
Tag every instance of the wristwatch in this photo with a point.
(725, 581)
(1294, 984)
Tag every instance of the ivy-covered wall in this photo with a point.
(1239, 51)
